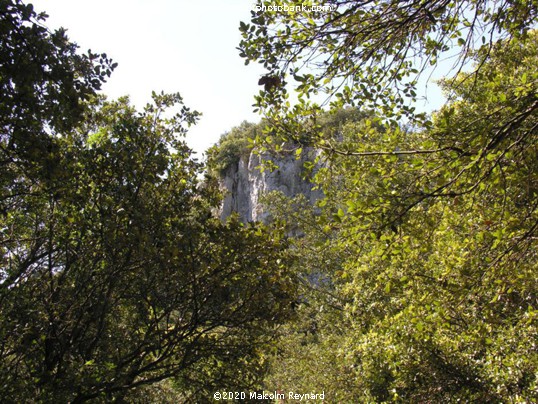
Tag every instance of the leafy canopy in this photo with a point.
(434, 222)
(368, 53)
(114, 274)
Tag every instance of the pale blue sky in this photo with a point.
(183, 46)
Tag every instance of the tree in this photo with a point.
(436, 220)
(114, 273)
(232, 146)
(368, 53)
(120, 276)
(44, 84)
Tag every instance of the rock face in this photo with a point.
(245, 184)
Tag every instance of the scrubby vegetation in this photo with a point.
(233, 145)
(413, 279)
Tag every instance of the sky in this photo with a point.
(180, 46)
(183, 46)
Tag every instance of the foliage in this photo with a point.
(119, 276)
(239, 142)
(306, 357)
(232, 146)
(115, 275)
(44, 83)
(367, 53)
(437, 230)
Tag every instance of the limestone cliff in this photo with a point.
(245, 184)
